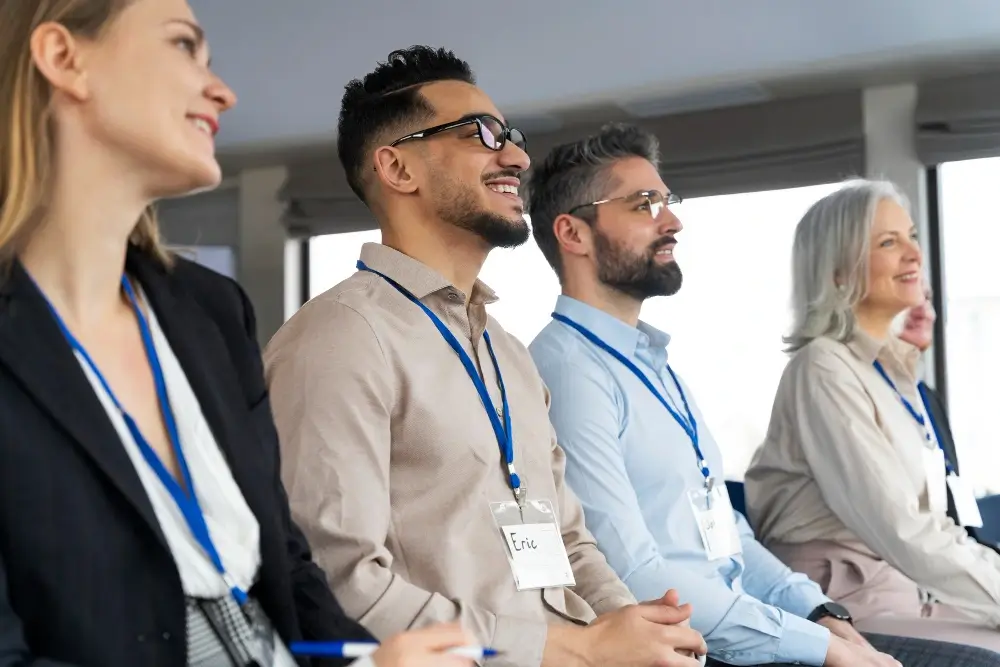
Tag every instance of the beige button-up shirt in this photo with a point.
(843, 462)
(390, 461)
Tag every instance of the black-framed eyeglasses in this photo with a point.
(652, 200)
(492, 132)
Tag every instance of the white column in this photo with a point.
(890, 149)
(262, 247)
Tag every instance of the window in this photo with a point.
(970, 238)
(726, 323)
(332, 258)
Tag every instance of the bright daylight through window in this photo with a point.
(970, 237)
(726, 323)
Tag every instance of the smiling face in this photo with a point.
(894, 277)
(143, 90)
(634, 237)
(465, 183)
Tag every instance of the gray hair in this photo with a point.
(579, 173)
(830, 260)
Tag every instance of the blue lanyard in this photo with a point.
(503, 430)
(916, 414)
(187, 500)
(689, 425)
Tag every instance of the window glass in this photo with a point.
(726, 323)
(970, 237)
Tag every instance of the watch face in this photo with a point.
(831, 610)
(838, 611)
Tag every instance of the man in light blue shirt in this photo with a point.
(639, 454)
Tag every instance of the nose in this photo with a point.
(220, 94)
(913, 253)
(514, 157)
(668, 221)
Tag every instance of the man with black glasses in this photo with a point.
(418, 454)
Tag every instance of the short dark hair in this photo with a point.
(578, 173)
(387, 99)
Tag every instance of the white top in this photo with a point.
(233, 527)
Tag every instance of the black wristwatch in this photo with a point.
(831, 610)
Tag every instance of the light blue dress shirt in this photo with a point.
(632, 465)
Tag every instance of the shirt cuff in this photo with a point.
(802, 642)
(801, 600)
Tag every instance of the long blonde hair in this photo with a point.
(26, 133)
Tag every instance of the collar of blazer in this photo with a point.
(34, 351)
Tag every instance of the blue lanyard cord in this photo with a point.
(689, 424)
(916, 414)
(185, 497)
(503, 431)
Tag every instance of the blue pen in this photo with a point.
(362, 649)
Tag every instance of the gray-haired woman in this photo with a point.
(850, 485)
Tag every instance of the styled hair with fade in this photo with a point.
(388, 99)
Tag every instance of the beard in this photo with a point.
(639, 276)
(458, 205)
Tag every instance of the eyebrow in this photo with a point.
(639, 193)
(479, 114)
(199, 32)
(894, 232)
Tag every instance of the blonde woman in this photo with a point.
(850, 486)
(142, 517)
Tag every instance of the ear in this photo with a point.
(56, 53)
(393, 171)
(574, 235)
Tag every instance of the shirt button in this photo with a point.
(141, 638)
(166, 636)
(453, 296)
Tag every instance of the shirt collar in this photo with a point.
(418, 278)
(868, 348)
(620, 336)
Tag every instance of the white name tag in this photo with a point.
(934, 472)
(538, 556)
(716, 522)
(965, 503)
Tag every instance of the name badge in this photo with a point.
(716, 522)
(534, 545)
(934, 471)
(965, 503)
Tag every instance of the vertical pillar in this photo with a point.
(262, 238)
(890, 150)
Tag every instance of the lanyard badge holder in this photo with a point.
(530, 529)
(939, 471)
(534, 544)
(710, 503)
(184, 496)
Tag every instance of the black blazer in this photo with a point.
(86, 577)
(940, 415)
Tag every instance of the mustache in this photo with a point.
(666, 240)
(503, 173)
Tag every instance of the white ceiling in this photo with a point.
(288, 60)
